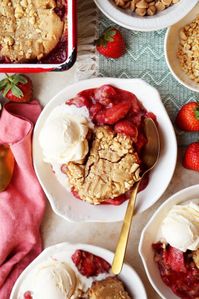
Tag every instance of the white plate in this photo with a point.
(150, 235)
(59, 251)
(161, 20)
(170, 49)
(62, 201)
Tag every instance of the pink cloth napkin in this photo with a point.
(22, 204)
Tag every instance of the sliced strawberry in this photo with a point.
(89, 264)
(95, 109)
(28, 295)
(112, 115)
(127, 128)
(175, 259)
(79, 101)
(105, 94)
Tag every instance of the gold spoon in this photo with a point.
(6, 166)
(150, 157)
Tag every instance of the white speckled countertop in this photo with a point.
(56, 230)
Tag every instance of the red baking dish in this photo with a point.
(54, 62)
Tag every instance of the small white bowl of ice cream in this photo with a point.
(71, 271)
(169, 246)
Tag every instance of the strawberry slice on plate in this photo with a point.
(127, 128)
(112, 115)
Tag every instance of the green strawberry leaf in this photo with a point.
(15, 79)
(107, 36)
(3, 83)
(6, 89)
(22, 79)
(16, 91)
(196, 112)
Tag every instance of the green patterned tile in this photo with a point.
(145, 59)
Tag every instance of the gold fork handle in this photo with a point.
(124, 234)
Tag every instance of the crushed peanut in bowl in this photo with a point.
(188, 50)
(145, 7)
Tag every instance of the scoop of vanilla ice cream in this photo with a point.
(180, 228)
(63, 136)
(55, 280)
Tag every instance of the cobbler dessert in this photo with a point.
(94, 143)
(30, 29)
(111, 169)
(110, 287)
(177, 254)
(80, 275)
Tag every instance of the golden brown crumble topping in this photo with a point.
(110, 287)
(110, 169)
(30, 29)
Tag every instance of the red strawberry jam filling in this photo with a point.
(123, 112)
(178, 270)
(89, 264)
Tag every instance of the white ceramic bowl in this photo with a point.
(171, 46)
(150, 235)
(63, 251)
(63, 202)
(161, 20)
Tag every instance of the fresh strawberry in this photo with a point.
(79, 101)
(127, 128)
(27, 295)
(17, 88)
(191, 157)
(175, 259)
(112, 115)
(111, 44)
(89, 264)
(188, 117)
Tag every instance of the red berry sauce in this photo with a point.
(123, 112)
(178, 270)
(89, 264)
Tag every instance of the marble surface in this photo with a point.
(56, 230)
